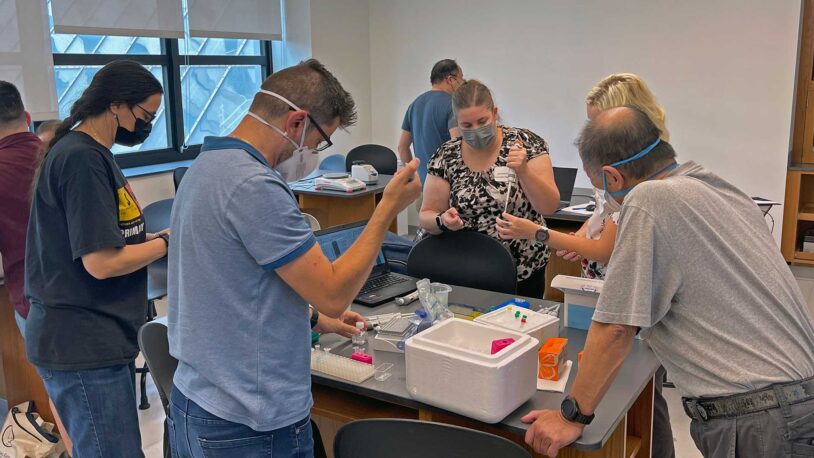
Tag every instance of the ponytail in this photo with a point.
(121, 81)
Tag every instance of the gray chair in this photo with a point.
(156, 218)
(397, 438)
(154, 345)
(382, 158)
(178, 175)
(464, 258)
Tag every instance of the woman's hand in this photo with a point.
(452, 220)
(513, 227)
(345, 325)
(518, 158)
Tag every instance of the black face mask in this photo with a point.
(140, 132)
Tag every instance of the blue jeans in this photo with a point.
(194, 432)
(20, 323)
(98, 409)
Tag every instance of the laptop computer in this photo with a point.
(565, 179)
(382, 285)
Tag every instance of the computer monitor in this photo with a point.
(336, 240)
(565, 178)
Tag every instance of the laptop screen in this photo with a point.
(337, 240)
(565, 178)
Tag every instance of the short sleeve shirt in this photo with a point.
(695, 266)
(82, 204)
(241, 334)
(480, 199)
(429, 119)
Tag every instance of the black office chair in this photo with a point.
(382, 158)
(397, 438)
(178, 175)
(464, 258)
(156, 218)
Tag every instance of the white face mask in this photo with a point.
(304, 160)
(609, 204)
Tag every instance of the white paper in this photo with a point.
(558, 386)
(579, 209)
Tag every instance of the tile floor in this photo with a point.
(152, 419)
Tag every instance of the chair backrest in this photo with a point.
(157, 215)
(334, 163)
(382, 158)
(154, 345)
(315, 226)
(464, 258)
(178, 175)
(397, 438)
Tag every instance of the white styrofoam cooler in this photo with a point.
(450, 366)
(538, 325)
(581, 295)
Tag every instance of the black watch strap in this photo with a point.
(314, 316)
(570, 411)
(166, 238)
(440, 222)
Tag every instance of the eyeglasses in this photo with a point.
(326, 143)
(148, 113)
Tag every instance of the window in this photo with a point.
(208, 85)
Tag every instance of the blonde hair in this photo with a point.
(621, 89)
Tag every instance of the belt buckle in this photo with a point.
(695, 410)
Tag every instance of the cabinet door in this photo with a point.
(808, 135)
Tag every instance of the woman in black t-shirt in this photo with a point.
(86, 259)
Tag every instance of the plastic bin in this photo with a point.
(450, 366)
(581, 295)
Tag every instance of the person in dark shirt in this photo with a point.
(20, 152)
(86, 259)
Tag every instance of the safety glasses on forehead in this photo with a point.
(327, 143)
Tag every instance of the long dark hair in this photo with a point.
(121, 81)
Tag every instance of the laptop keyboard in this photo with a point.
(381, 282)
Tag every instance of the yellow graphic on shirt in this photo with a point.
(128, 208)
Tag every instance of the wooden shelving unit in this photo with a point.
(798, 212)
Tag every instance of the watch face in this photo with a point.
(569, 409)
(541, 235)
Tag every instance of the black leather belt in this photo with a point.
(704, 409)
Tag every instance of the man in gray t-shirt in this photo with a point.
(697, 271)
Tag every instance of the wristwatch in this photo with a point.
(542, 234)
(314, 316)
(166, 238)
(570, 411)
(440, 223)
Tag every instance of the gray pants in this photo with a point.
(787, 431)
(663, 446)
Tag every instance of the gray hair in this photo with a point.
(619, 133)
(311, 87)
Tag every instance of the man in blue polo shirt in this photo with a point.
(244, 265)
(429, 121)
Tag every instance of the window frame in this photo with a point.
(171, 60)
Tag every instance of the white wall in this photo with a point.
(340, 39)
(724, 70)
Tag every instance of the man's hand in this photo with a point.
(513, 227)
(345, 325)
(452, 220)
(403, 189)
(550, 431)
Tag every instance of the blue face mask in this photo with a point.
(610, 195)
